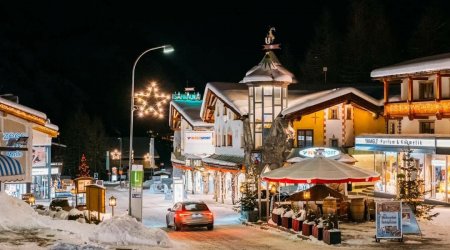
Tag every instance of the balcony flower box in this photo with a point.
(332, 236)
(317, 232)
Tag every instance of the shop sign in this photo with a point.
(43, 171)
(395, 142)
(14, 154)
(389, 220)
(312, 152)
(13, 135)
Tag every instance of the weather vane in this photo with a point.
(270, 38)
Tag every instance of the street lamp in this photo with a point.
(112, 204)
(166, 49)
(120, 161)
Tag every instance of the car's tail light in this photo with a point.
(181, 214)
(208, 213)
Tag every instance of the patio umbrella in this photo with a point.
(319, 170)
(346, 158)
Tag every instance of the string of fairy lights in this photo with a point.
(151, 101)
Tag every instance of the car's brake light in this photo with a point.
(181, 214)
(208, 213)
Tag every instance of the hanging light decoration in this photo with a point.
(151, 101)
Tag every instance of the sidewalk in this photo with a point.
(435, 234)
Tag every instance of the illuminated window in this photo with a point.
(348, 113)
(427, 127)
(333, 113)
(305, 138)
(230, 138)
(426, 90)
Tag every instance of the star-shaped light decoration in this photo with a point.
(151, 101)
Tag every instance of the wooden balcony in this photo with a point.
(418, 109)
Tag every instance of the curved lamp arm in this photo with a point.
(167, 49)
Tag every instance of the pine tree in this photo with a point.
(411, 188)
(83, 169)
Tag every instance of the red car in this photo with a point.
(190, 214)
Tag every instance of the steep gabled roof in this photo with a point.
(234, 95)
(190, 110)
(317, 101)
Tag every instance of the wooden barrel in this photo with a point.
(357, 209)
(329, 205)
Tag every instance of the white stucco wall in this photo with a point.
(333, 127)
(223, 124)
(445, 87)
(412, 127)
(349, 130)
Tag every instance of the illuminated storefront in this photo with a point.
(26, 138)
(385, 153)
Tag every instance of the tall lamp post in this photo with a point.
(120, 161)
(166, 49)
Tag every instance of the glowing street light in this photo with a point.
(166, 49)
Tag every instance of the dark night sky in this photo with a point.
(57, 56)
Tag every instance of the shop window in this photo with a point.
(305, 138)
(334, 143)
(427, 127)
(333, 113)
(426, 90)
(224, 140)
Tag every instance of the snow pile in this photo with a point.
(278, 211)
(125, 230)
(16, 214)
(288, 214)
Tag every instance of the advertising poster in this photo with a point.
(409, 222)
(39, 156)
(137, 176)
(389, 219)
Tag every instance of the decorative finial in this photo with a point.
(270, 38)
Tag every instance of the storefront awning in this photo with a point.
(10, 169)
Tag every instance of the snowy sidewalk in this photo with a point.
(435, 234)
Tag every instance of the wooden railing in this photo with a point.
(437, 108)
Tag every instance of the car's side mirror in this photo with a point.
(169, 209)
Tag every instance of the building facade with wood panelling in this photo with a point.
(417, 118)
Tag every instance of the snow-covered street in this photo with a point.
(22, 228)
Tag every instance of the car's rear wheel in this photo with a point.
(210, 227)
(167, 223)
(176, 226)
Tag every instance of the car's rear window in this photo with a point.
(195, 207)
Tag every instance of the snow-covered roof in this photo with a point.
(418, 65)
(322, 96)
(234, 95)
(30, 111)
(190, 110)
(269, 70)
(23, 108)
